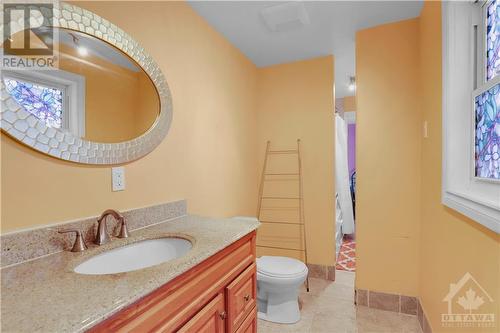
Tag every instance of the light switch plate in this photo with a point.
(118, 178)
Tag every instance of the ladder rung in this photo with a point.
(281, 180)
(281, 174)
(280, 248)
(279, 208)
(285, 198)
(279, 222)
(283, 151)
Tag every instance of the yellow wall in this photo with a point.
(349, 103)
(209, 156)
(408, 242)
(213, 153)
(148, 106)
(296, 100)
(120, 104)
(451, 244)
(388, 147)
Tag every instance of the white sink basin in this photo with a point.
(135, 256)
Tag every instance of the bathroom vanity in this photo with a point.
(217, 295)
(209, 288)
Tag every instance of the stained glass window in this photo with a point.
(492, 40)
(487, 133)
(42, 101)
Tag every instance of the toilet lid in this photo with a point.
(280, 266)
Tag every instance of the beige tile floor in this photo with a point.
(329, 308)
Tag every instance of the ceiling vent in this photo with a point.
(286, 16)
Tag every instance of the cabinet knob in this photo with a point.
(223, 315)
(246, 298)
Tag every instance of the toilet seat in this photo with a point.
(280, 267)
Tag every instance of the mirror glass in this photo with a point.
(98, 93)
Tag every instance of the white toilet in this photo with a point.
(278, 285)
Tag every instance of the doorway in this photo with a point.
(345, 180)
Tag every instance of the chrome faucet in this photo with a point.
(102, 236)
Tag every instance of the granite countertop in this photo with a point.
(45, 295)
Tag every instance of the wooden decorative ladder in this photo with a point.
(299, 198)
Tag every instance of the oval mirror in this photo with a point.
(98, 105)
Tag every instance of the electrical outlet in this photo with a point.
(118, 178)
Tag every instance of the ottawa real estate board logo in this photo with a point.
(28, 36)
(465, 300)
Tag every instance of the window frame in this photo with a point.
(480, 21)
(73, 87)
(475, 197)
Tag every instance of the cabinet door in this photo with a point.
(210, 319)
(241, 295)
(250, 323)
(169, 307)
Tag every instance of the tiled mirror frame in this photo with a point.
(28, 129)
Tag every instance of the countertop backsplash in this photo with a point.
(20, 246)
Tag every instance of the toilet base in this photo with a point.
(263, 316)
(279, 308)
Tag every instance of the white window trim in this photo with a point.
(476, 198)
(478, 19)
(73, 86)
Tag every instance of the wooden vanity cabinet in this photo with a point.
(208, 319)
(218, 295)
(250, 323)
(241, 298)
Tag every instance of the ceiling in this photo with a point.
(331, 30)
(93, 45)
(97, 48)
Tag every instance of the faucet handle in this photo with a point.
(79, 244)
(123, 229)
